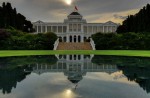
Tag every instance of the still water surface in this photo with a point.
(74, 76)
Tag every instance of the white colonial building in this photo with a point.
(74, 28)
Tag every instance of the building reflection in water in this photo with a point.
(75, 67)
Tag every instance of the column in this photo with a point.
(82, 28)
(67, 67)
(77, 39)
(82, 58)
(82, 39)
(87, 37)
(45, 28)
(73, 38)
(67, 38)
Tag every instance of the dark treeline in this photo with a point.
(12, 39)
(125, 41)
(139, 22)
(10, 18)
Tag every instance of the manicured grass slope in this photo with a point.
(98, 52)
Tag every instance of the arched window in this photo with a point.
(79, 38)
(65, 39)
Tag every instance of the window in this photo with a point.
(54, 28)
(70, 27)
(60, 29)
(49, 29)
(39, 29)
(74, 27)
(79, 27)
(89, 29)
(64, 28)
(43, 29)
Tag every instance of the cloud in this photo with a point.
(57, 10)
(110, 16)
(120, 17)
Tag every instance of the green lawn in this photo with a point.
(98, 52)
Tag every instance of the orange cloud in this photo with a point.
(110, 16)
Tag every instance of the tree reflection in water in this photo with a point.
(134, 68)
(15, 69)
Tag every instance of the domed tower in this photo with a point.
(75, 24)
(75, 17)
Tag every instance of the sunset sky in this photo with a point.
(92, 10)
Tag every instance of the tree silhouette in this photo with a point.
(10, 18)
(139, 22)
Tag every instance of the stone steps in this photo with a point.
(74, 46)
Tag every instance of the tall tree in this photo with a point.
(10, 18)
(139, 22)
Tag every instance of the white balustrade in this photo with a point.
(56, 44)
(92, 44)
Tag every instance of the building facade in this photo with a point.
(75, 28)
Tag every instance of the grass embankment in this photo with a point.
(140, 53)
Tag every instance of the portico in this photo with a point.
(75, 38)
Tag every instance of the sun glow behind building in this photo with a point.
(68, 2)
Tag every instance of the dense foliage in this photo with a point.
(139, 22)
(17, 40)
(10, 18)
(125, 41)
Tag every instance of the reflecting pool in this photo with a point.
(74, 76)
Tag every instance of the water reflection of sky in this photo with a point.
(93, 85)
